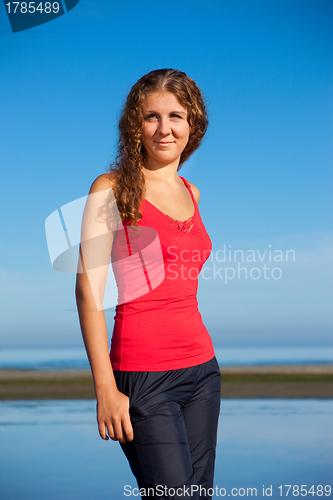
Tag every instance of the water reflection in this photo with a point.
(51, 449)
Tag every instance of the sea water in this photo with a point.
(52, 450)
(76, 358)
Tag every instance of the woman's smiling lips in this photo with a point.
(166, 143)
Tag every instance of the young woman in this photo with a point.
(158, 391)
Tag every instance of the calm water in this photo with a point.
(57, 359)
(51, 450)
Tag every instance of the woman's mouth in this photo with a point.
(165, 143)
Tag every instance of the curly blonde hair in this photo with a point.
(126, 170)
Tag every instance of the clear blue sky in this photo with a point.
(264, 169)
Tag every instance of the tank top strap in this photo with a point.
(187, 184)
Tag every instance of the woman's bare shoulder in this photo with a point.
(103, 181)
(195, 191)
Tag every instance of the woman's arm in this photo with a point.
(95, 251)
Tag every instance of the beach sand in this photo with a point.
(296, 381)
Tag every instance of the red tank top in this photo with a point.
(157, 324)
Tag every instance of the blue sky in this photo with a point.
(264, 169)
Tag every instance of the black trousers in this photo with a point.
(174, 416)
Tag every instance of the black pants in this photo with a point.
(174, 416)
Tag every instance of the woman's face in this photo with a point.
(165, 129)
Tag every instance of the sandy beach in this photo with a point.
(278, 381)
(296, 381)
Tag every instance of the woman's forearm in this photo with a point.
(112, 406)
(94, 333)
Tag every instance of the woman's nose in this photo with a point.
(164, 126)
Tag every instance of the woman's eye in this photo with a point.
(153, 116)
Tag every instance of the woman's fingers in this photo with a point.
(102, 431)
(121, 431)
(118, 432)
(127, 427)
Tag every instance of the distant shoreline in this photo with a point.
(269, 381)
